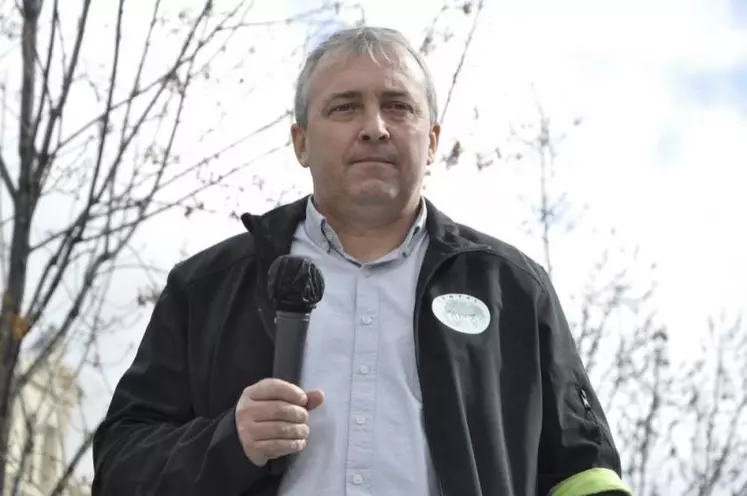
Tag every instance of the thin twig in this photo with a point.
(56, 112)
(46, 67)
(458, 70)
(133, 203)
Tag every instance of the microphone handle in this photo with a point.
(290, 341)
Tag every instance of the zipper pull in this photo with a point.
(585, 399)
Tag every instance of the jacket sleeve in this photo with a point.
(150, 442)
(577, 454)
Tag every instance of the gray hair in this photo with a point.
(362, 40)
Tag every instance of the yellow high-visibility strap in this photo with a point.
(589, 482)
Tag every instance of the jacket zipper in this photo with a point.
(418, 306)
(590, 412)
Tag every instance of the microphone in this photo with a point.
(295, 286)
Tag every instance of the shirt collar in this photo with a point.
(321, 233)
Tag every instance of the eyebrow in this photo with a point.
(397, 94)
(343, 95)
(352, 94)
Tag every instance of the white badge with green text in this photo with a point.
(461, 312)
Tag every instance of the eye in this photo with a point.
(400, 106)
(343, 107)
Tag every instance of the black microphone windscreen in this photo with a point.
(294, 284)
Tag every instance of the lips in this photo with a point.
(383, 160)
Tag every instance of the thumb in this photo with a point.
(315, 397)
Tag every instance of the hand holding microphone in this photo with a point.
(271, 415)
(271, 418)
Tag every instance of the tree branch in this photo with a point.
(104, 128)
(180, 199)
(95, 329)
(134, 202)
(70, 469)
(70, 317)
(7, 179)
(139, 73)
(460, 65)
(47, 67)
(74, 234)
(161, 82)
(28, 447)
(103, 257)
(57, 111)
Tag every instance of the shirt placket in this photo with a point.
(363, 387)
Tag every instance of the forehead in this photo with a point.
(339, 71)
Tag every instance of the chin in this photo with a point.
(375, 196)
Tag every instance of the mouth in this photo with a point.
(373, 160)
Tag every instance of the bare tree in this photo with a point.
(623, 346)
(707, 440)
(89, 153)
(681, 427)
(685, 420)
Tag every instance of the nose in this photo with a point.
(374, 127)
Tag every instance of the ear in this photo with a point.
(433, 137)
(298, 135)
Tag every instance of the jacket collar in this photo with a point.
(273, 235)
(273, 231)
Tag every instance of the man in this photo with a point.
(438, 362)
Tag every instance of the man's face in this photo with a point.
(369, 136)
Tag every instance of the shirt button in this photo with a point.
(366, 320)
(364, 369)
(360, 419)
(357, 479)
(366, 272)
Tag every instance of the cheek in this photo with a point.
(328, 144)
(415, 145)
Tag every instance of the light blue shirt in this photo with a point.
(367, 438)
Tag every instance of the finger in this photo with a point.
(264, 411)
(264, 431)
(274, 448)
(315, 398)
(276, 389)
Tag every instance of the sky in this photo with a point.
(661, 88)
(660, 154)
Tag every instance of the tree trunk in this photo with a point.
(13, 325)
(12, 328)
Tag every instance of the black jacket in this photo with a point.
(507, 412)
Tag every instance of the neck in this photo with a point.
(372, 235)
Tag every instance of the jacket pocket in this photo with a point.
(590, 416)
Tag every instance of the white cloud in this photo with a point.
(661, 167)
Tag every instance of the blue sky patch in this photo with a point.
(738, 10)
(718, 87)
